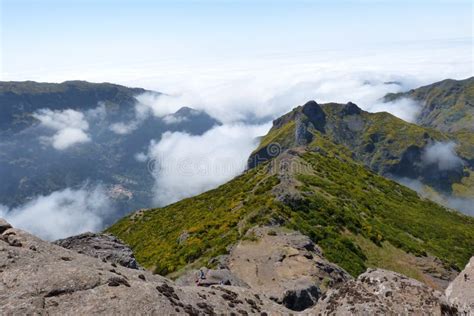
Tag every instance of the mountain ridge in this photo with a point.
(313, 186)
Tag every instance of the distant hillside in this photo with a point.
(30, 166)
(381, 141)
(19, 99)
(304, 180)
(447, 105)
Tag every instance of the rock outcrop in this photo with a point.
(382, 292)
(460, 292)
(208, 277)
(37, 277)
(285, 265)
(102, 246)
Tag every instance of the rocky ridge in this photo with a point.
(38, 277)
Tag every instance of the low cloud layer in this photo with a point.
(443, 155)
(406, 109)
(464, 205)
(70, 127)
(62, 213)
(184, 165)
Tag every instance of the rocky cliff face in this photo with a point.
(103, 246)
(37, 277)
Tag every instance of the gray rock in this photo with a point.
(460, 292)
(301, 296)
(102, 246)
(286, 266)
(4, 225)
(381, 292)
(40, 278)
(210, 277)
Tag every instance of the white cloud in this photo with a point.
(62, 213)
(187, 165)
(67, 137)
(443, 155)
(404, 108)
(174, 119)
(70, 127)
(124, 128)
(464, 205)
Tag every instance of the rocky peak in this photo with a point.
(315, 115)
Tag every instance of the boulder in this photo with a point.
(460, 292)
(4, 225)
(102, 246)
(381, 292)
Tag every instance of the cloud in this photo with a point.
(70, 127)
(174, 119)
(186, 165)
(405, 108)
(144, 107)
(464, 205)
(67, 137)
(248, 96)
(124, 128)
(443, 155)
(62, 213)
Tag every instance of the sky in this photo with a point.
(245, 62)
(132, 42)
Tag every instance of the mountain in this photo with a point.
(303, 179)
(78, 134)
(43, 278)
(18, 100)
(447, 105)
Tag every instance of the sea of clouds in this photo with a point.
(245, 95)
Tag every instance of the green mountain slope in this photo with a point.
(381, 141)
(447, 105)
(313, 185)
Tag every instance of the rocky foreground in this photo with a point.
(273, 273)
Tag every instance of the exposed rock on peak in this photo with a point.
(315, 115)
(351, 109)
(384, 292)
(102, 246)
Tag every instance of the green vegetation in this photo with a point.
(447, 105)
(359, 218)
(338, 198)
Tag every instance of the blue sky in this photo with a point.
(38, 36)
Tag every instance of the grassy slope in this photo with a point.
(337, 196)
(447, 105)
